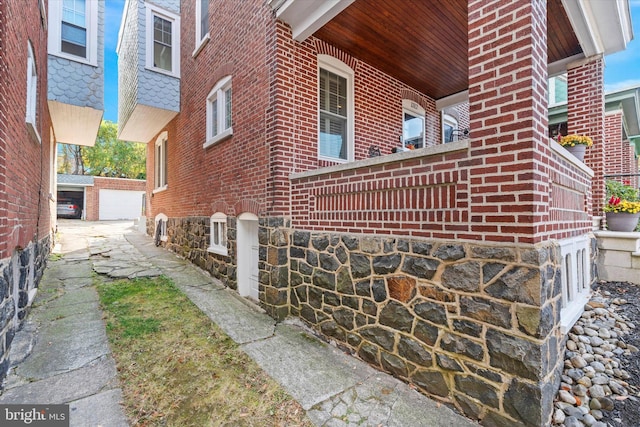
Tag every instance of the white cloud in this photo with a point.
(625, 84)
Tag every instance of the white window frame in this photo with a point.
(218, 94)
(200, 41)
(336, 66)
(218, 226)
(151, 11)
(415, 110)
(160, 163)
(32, 93)
(55, 33)
(449, 119)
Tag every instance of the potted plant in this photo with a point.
(575, 144)
(622, 215)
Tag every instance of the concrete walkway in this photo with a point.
(334, 388)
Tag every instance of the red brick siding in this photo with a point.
(24, 162)
(274, 115)
(585, 109)
(508, 117)
(621, 158)
(92, 194)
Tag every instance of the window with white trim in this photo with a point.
(412, 124)
(32, 92)
(218, 228)
(449, 128)
(219, 110)
(160, 162)
(163, 40)
(73, 30)
(335, 109)
(202, 24)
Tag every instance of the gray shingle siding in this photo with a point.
(138, 85)
(74, 83)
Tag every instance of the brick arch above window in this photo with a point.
(222, 206)
(415, 97)
(223, 70)
(324, 48)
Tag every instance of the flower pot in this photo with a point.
(622, 221)
(577, 151)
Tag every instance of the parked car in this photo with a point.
(66, 208)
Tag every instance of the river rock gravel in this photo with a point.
(600, 383)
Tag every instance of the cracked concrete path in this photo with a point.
(61, 353)
(334, 388)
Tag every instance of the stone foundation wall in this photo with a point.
(473, 325)
(189, 237)
(20, 275)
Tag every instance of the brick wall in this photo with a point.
(24, 168)
(585, 116)
(92, 194)
(621, 157)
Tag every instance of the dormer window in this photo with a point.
(163, 41)
(73, 30)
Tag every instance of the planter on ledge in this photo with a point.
(622, 221)
(577, 151)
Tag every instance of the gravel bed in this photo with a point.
(600, 383)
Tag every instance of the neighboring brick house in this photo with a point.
(38, 108)
(621, 129)
(459, 266)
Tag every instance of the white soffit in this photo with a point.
(305, 17)
(73, 124)
(602, 26)
(144, 123)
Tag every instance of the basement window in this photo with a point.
(218, 229)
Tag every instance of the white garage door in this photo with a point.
(120, 204)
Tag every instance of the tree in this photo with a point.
(109, 156)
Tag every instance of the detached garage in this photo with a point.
(106, 198)
(120, 204)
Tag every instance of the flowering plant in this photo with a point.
(618, 205)
(573, 140)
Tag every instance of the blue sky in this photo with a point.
(622, 69)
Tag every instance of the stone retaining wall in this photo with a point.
(469, 324)
(20, 275)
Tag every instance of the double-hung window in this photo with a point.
(73, 30)
(218, 226)
(160, 162)
(32, 92)
(202, 24)
(412, 124)
(335, 109)
(163, 40)
(219, 103)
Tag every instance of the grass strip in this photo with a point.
(177, 368)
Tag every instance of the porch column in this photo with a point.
(509, 117)
(510, 186)
(585, 116)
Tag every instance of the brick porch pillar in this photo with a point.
(509, 117)
(510, 187)
(585, 116)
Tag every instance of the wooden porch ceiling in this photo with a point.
(423, 43)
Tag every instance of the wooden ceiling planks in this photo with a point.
(423, 43)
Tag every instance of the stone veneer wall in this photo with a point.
(20, 275)
(189, 237)
(467, 323)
